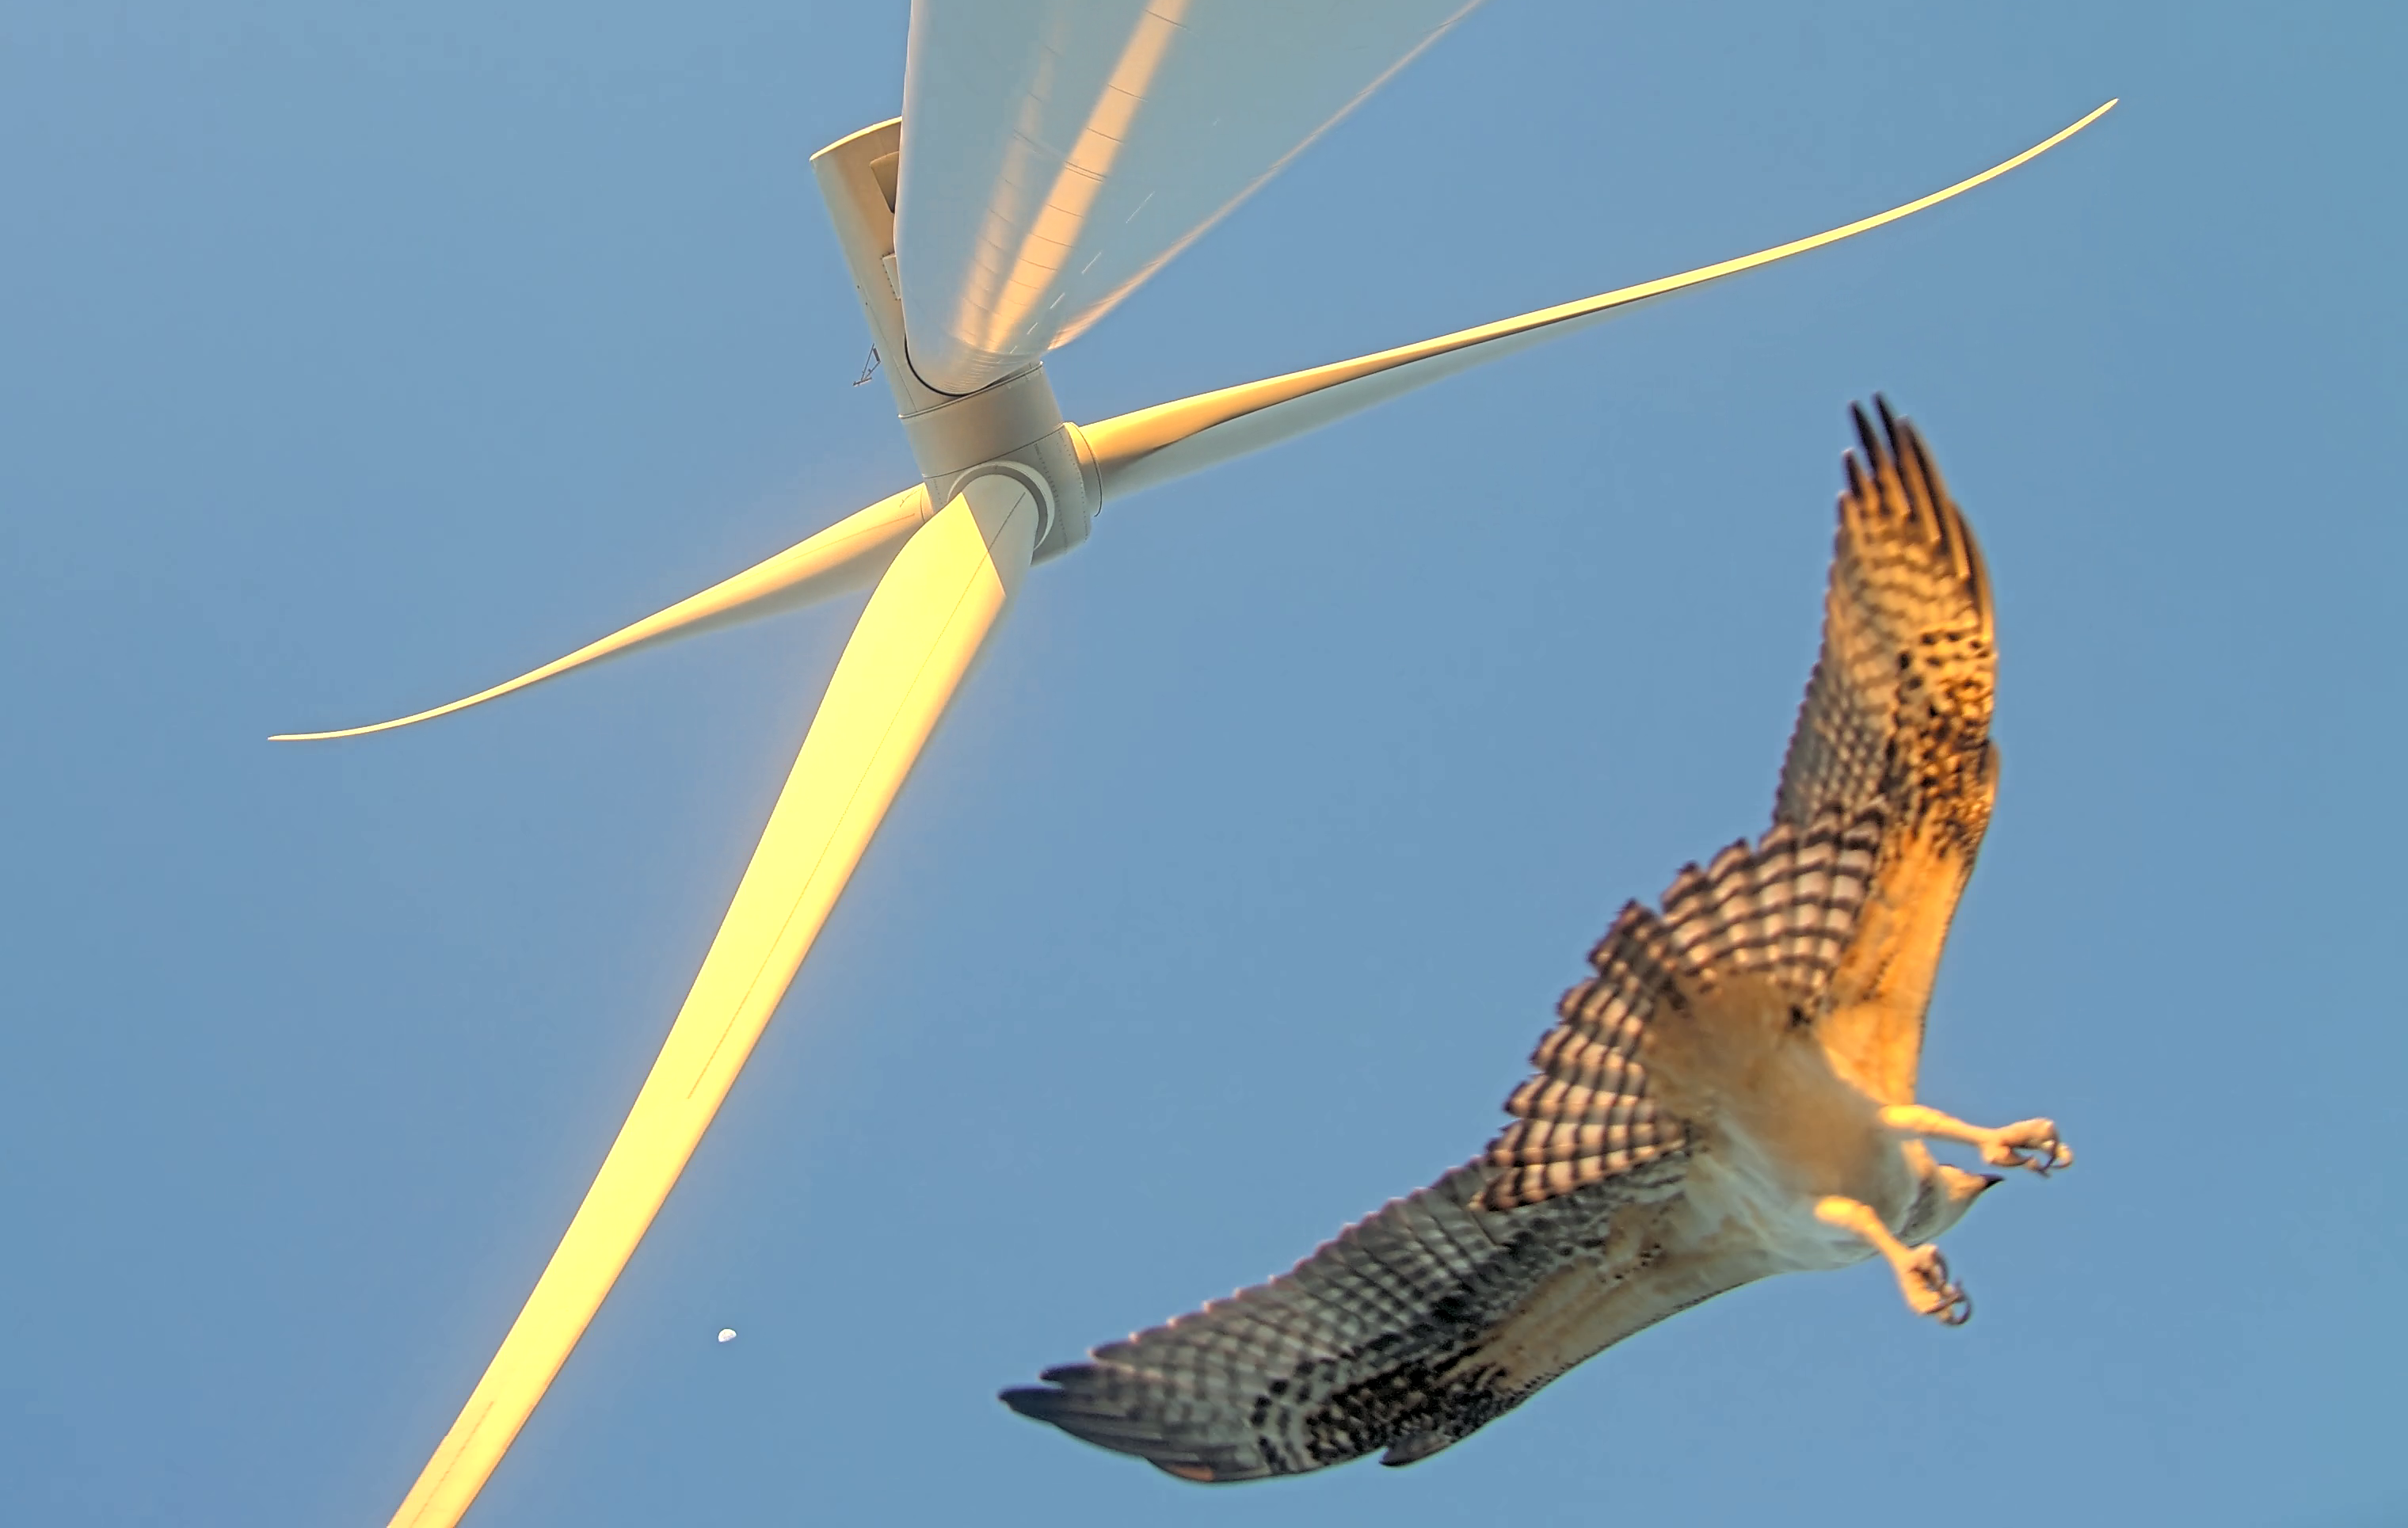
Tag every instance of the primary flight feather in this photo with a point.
(1728, 1097)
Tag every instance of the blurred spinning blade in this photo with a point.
(1061, 152)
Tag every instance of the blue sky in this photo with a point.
(353, 358)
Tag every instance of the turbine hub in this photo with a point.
(1015, 423)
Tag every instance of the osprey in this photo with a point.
(1730, 1096)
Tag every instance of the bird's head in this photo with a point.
(1947, 1194)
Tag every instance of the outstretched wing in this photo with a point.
(1897, 722)
(1381, 1339)
(1452, 1306)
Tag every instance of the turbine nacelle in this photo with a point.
(953, 436)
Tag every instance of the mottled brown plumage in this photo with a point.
(1728, 1097)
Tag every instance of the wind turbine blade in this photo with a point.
(945, 593)
(846, 555)
(1061, 152)
(1170, 440)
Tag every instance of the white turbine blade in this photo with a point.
(1170, 440)
(846, 555)
(945, 593)
(1058, 152)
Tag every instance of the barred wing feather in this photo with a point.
(1373, 1342)
(1782, 911)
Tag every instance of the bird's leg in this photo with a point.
(2027, 1143)
(1922, 1272)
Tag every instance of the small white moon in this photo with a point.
(727, 1334)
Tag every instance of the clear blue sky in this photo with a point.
(352, 358)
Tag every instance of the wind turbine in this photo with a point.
(1060, 153)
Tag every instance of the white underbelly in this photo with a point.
(1735, 1192)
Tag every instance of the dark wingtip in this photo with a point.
(1413, 1450)
(1107, 1426)
(1905, 441)
(1042, 1402)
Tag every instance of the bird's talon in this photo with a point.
(1930, 1291)
(2032, 1145)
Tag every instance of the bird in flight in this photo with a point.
(1729, 1096)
